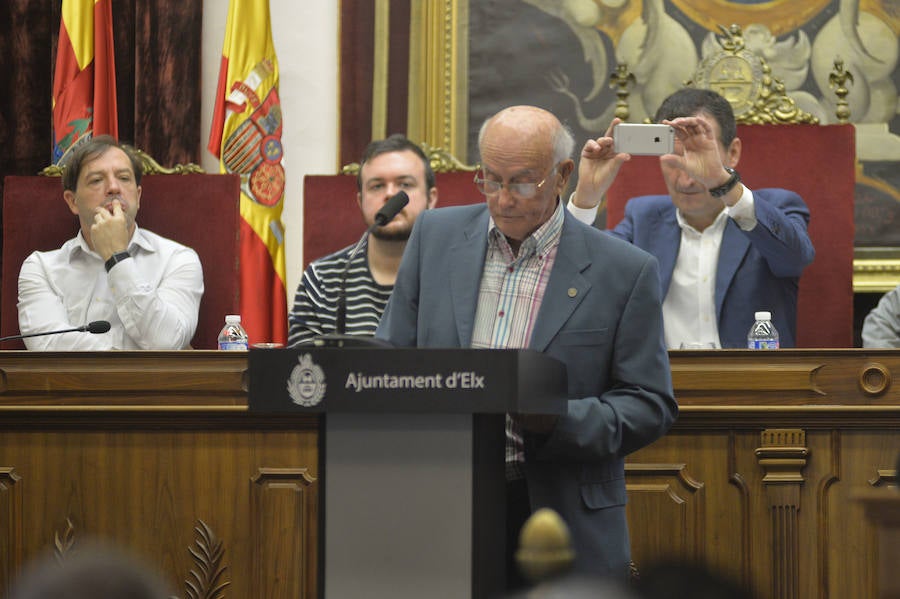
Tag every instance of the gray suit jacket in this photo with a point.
(601, 316)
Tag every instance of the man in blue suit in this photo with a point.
(520, 272)
(724, 251)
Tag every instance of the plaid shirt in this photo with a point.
(509, 299)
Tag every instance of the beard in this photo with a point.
(401, 234)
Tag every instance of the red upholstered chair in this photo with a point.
(815, 161)
(331, 217)
(198, 210)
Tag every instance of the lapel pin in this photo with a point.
(572, 292)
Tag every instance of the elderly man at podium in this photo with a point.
(520, 272)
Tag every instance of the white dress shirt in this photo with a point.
(151, 299)
(689, 308)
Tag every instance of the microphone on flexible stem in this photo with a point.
(96, 327)
(390, 209)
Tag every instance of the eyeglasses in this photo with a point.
(525, 191)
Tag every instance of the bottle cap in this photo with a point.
(762, 316)
(233, 318)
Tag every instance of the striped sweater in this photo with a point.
(315, 304)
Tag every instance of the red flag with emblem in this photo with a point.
(84, 83)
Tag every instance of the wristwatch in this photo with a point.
(724, 188)
(115, 259)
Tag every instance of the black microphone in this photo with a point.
(95, 327)
(391, 208)
(98, 326)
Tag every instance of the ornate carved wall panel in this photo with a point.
(667, 495)
(285, 499)
(10, 524)
(172, 467)
(781, 459)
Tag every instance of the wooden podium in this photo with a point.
(413, 455)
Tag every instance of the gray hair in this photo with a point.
(563, 144)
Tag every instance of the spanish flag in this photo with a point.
(246, 137)
(84, 83)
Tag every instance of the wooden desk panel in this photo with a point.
(156, 451)
(757, 477)
(883, 510)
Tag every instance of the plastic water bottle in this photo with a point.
(762, 334)
(233, 336)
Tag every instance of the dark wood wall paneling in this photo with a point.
(357, 62)
(398, 68)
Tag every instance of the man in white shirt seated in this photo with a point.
(146, 286)
(881, 327)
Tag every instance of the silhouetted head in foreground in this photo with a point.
(94, 572)
(686, 580)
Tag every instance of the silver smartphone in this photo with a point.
(643, 139)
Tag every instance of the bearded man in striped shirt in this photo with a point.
(388, 166)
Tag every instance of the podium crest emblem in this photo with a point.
(306, 385)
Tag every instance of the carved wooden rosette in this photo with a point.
(874, 379)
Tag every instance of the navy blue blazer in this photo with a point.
(757, 270)
(601, 315)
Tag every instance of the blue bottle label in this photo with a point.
(762, 344)
(233, 345)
